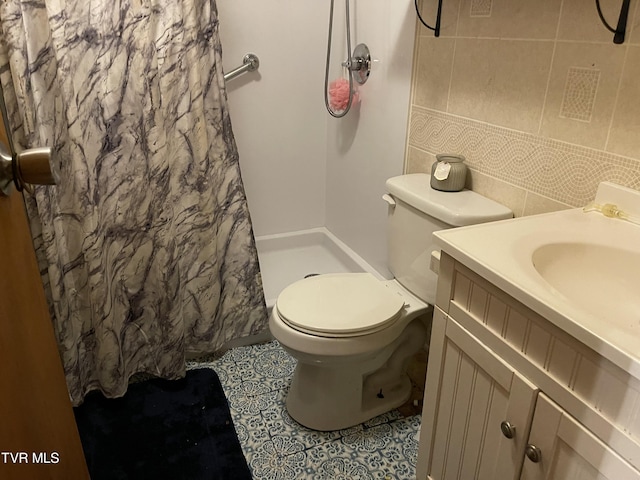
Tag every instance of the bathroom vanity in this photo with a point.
(528, 377)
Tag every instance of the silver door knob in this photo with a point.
(508, 429)
(32, 166)
(533, 453)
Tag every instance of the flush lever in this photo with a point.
(389, 199)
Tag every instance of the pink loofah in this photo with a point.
(339, 94)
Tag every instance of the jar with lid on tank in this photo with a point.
(448, 173)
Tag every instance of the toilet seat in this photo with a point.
(339, 305)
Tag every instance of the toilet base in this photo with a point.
(337, 396)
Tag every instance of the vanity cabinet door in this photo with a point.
(563, 449)
(469, 393)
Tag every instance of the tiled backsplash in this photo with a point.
(534, 94)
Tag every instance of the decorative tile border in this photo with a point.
(558, 170)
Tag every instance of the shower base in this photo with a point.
(288, 257)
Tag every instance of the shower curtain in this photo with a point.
(145, 245)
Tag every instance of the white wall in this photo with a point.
(367, 146)
(301, 167)
(277, 112)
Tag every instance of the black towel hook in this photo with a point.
(621, 28)
(436, 29)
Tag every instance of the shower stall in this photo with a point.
(314, 183)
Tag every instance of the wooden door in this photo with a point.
(570, 451)
(38, 435)
(468, 394)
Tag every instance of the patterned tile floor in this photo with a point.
(256, 379)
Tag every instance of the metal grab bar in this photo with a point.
(250, 62)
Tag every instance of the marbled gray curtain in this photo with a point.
(145, 245)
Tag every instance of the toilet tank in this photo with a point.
(416, 211)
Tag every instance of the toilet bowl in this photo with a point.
(353, 334)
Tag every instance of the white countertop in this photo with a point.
(501, 252)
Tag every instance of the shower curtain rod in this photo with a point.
(250, 62)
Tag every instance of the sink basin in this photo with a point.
(577, 268)
(603, 280)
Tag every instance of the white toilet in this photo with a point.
(353, 334)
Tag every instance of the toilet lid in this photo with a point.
(338, 305)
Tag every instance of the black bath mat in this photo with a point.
(162, 429)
